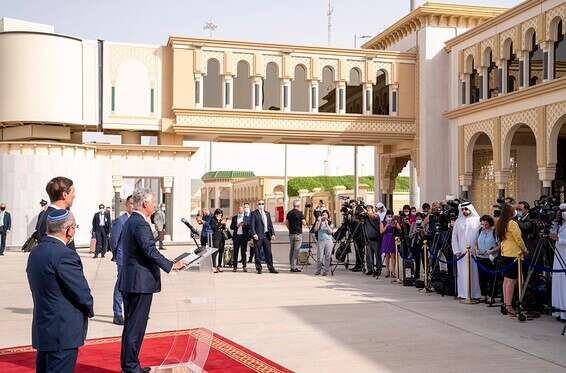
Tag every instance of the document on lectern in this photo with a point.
(192, 259)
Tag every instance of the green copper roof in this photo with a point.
(228, 175)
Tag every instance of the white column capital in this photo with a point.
(117, 183)
(167, 182)
(546, 175)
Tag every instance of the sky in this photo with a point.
(289, 21)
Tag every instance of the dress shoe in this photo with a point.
(370, 273)
(118, 320)
(295, 270)
(234, 269)
(274, 271)
(259, 271)
(244, 269)
(95, 257)
(356, 269)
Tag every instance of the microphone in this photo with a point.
(193, 229)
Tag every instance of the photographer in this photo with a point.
(373, 235)
(559, 278)
(358, 233)
(417, 235)
(527, 225)
(324, 230)
(387, 230)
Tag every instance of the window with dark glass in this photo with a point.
(559, 53)
(535, 62)
(512, 70)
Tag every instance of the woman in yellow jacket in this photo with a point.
(512, 245)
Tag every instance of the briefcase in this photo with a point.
(304, 256)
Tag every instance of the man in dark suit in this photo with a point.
(100, 230)
(5, 226)
(240, 225)
(61, 192)
(261, 229)
(116, 236)
(139, 277)
(62, 302)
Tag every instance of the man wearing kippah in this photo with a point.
(62, 302)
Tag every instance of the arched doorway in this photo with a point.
(474, 90)
(558, 157)
(521, 148)
(354, 92)
(327, 91)
(492, 74)
(380, 95)
(242, 86)
(271, 88)
(212, 85)
(300, 90)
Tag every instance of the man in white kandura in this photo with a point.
(465, 232)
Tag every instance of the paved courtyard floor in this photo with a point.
(346, 323)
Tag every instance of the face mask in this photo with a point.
(247, 210)
(389, 219)
(419, 221)
(260, 207)
(564, 215)
(163, 209)
(519, 214)
(406, 212)
(102, 211)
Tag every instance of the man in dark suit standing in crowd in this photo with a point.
(139, 278)
(261, 229)
(61, 192)
(101, 229)
(116, 236)
(5, 226)
(62, 302)
(241, 226)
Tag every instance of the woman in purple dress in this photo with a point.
(388, 242)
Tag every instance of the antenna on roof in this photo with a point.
(329, 13)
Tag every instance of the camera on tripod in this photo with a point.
(445, 213)
(354, 209)
(544, 213)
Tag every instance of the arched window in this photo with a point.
(559, 52)
(492, 79)
(474, 83)
(512, 77)
(327, 91)
(354, 92)
(300, 90)
(271, 88)
(212, 86)
(535, 62)
(380, 95)
(243, 86)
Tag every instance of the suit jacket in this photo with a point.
(116, 237)
(257, 227)
(96, 227)
(42, 227)
(141, 260)
(7, 221)
(39, 219)
(61, 296)
(245, 226)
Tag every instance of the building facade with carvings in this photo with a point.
(471, 97)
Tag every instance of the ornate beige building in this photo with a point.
(472, 96)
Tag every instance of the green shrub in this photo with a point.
(328, 182)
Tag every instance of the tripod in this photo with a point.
(310, 254)
(544, 246)
(346, 240)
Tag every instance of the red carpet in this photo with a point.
(102, 355)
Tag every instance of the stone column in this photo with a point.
(484, 82)
(199, 91)
(523, 69)
(393, 99)
(502, 76)
(501, 178)
(377, 174)
(547, 59)
(117, 182)
(285, 103)
(414, 191)
(227, 91)
(168, 200)
(340, 97)
(257, 93)
(467, 88)
(313, 96)
(367, 99)
(547, 175)
(465, 184)
(216, 197)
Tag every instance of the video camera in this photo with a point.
(544, 212)
(445, 213)
(352, 208)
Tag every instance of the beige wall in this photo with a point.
(406, 78)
